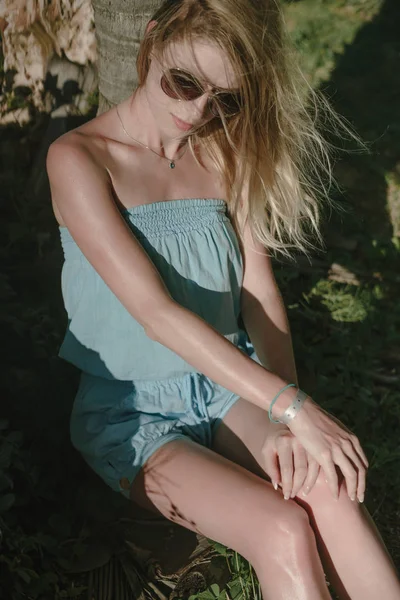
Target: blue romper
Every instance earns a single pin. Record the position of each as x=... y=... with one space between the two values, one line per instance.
x=136 y=394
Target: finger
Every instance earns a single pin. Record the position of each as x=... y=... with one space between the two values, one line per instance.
x=351 y=453
x=285 y=455
x=348 y=470
x=300 y=468
x=272 y=468
x=331 y=477
x=312 y=476
x=356 y=443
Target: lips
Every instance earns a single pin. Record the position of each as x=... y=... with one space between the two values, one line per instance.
x=182 y=124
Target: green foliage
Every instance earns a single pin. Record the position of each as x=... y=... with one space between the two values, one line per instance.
x=320 y=30
x=93 y=100
x=243 y=584
x=32 y=561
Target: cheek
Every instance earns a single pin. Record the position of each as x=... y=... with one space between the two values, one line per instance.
x=159 y=101
x=161 y=106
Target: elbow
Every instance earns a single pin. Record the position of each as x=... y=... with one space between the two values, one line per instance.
x=155 y=317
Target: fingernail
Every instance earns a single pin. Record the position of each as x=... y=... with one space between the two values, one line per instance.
x=306 y=490
x=286 y=496
x=353 y=497
x=275 y=485
x=361 y=499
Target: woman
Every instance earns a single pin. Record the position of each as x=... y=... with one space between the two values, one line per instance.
x=166 y=205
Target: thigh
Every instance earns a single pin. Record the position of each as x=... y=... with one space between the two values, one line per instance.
x=241 y=435
x=203 y=491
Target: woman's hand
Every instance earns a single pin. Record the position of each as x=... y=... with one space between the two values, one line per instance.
x=287 y=463
x=330 y=443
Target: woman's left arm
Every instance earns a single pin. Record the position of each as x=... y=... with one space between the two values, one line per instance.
x=267 y=324
x=265 y=318
x=263 y=312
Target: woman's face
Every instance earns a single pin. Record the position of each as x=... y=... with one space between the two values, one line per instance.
x=207 y=64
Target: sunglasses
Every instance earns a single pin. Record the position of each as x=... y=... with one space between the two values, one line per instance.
x=179 y=84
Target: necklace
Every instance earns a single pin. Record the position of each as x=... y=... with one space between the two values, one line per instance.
x=171 y=162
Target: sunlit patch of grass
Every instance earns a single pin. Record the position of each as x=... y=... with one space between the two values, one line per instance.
x=321 y=29
x=345 y=302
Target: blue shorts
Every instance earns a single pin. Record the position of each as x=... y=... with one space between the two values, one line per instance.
x=117 y=425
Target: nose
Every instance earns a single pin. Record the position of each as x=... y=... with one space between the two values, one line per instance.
x=201 y=104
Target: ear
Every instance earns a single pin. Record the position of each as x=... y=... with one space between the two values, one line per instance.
x=150 y=26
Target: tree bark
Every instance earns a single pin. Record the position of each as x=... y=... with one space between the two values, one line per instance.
x=120 y=26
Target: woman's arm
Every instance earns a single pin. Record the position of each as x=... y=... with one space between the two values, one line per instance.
x=263 y=312
x=268 y=328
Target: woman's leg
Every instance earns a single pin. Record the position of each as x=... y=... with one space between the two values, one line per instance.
x=203 y=491
x=353 y=553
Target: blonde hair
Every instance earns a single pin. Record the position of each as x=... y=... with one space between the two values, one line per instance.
x=271 y=154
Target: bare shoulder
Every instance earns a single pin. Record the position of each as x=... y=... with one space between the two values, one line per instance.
x=86 y=141
x=79 y=154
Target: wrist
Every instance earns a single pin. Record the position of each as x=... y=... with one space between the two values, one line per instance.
x=299 y=419
x=286 y=409
x=285 y=399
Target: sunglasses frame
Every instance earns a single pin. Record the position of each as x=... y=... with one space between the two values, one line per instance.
x=214 y=106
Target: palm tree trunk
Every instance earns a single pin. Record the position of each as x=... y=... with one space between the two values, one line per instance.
x=120 y=26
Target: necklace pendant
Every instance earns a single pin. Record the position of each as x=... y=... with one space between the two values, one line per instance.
x=172 y=165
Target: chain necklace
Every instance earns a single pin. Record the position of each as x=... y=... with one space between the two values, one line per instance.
x=171 y=162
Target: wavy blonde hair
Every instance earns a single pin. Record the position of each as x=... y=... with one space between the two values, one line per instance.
x=271 y=156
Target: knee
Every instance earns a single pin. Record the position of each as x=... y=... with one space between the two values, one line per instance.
x=292 y=522
x=286 y=531
x=321 y=501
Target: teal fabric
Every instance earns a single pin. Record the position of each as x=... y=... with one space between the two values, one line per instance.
x=194 y=247
x=118 y=425
x=136 y=394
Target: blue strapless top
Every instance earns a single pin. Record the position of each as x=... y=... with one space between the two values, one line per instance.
x=194 y=247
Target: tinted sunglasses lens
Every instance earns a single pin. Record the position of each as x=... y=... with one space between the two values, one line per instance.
x=177 y=85
x=228 y=104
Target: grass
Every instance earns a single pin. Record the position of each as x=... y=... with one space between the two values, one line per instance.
x=345 y=319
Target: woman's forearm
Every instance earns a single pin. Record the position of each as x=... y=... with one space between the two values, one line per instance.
x=268 y=328
x=188 y=335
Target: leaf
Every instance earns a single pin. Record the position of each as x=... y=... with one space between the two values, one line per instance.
x=24 y=575
x=15 y=437
x=235 y=589
x=60 y=524
x=64 y=563
x=215 y=589
x=47 y=541
x=6 y=502
x=220 y=548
